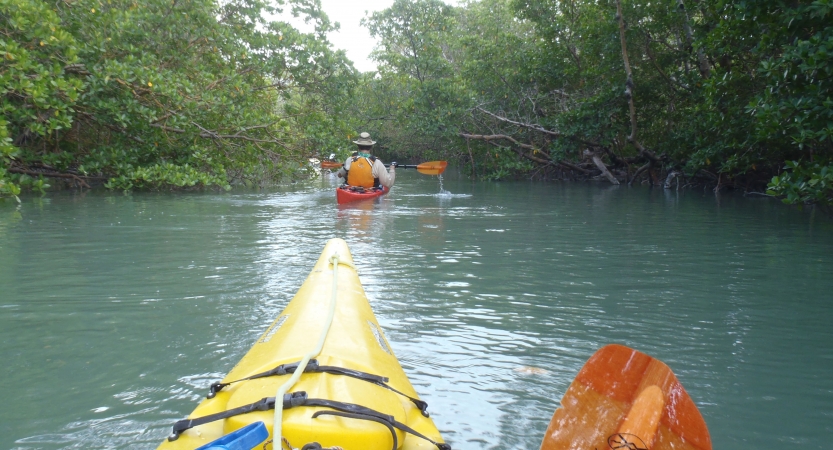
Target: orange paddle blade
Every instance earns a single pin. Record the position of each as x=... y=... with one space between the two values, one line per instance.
x=624 y=399
x=330 y=165
x=432 y=167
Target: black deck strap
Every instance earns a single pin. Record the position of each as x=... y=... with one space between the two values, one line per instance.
x=295 y=399
x=282 y=369
x=313 y=367
x=407 y=429
x=263 y=404
x=289 y=400
x=421 y=405
x=375 y=379
x=362 y=417
x=364 y=411
x=300 y=398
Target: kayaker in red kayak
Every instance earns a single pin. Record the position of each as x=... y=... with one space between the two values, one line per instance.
x=362 y=170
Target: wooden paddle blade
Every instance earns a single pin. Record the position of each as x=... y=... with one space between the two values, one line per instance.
x=432 y=167
x=330 y=165
x=624 y=399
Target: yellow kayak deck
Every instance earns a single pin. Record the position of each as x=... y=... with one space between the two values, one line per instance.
x=354 y=342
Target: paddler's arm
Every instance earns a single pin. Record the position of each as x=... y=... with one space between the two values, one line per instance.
x=344 y=168
x=386 y=178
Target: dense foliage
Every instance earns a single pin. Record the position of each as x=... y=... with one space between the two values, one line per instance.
x=715 y=92
x=163 y=93
x=207 y=92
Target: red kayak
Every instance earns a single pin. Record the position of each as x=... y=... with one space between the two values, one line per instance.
x=346 y=194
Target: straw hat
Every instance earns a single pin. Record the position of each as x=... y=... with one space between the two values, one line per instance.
x=364 y=139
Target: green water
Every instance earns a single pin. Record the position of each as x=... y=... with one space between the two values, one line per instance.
x=116 y=311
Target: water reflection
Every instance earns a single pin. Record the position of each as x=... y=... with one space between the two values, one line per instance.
x=117 y=311
x=362 y=218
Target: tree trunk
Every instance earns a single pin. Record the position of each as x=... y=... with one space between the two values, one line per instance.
x=470 y=157
x=639 y=171
x=705 y=71
x=673 y=174
x=601 y=166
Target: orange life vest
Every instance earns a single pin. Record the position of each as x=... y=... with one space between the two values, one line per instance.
x=361 y=172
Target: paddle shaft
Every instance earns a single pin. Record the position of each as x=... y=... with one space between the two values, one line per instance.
x=405 y=166
x=428 y=168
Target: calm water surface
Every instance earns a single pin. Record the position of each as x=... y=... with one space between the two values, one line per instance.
x=117 y=311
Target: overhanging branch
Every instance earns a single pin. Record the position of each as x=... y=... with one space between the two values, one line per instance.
x=539 y=128
x=494 y=137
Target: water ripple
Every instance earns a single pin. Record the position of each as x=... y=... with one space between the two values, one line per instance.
x=119 y=311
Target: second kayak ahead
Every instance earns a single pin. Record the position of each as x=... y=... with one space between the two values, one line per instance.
x=347 y=194
x=329 y=366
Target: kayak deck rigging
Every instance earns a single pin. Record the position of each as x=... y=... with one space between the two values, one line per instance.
x=313 y=367
x=349 y=390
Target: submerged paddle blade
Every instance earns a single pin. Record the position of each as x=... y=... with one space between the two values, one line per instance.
x=330 y=165
x=432 y=167
x=624 y=399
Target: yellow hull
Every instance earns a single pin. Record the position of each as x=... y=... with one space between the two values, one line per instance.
x=355 y=341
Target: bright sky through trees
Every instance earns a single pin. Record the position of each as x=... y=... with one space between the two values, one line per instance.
x=352 y=37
